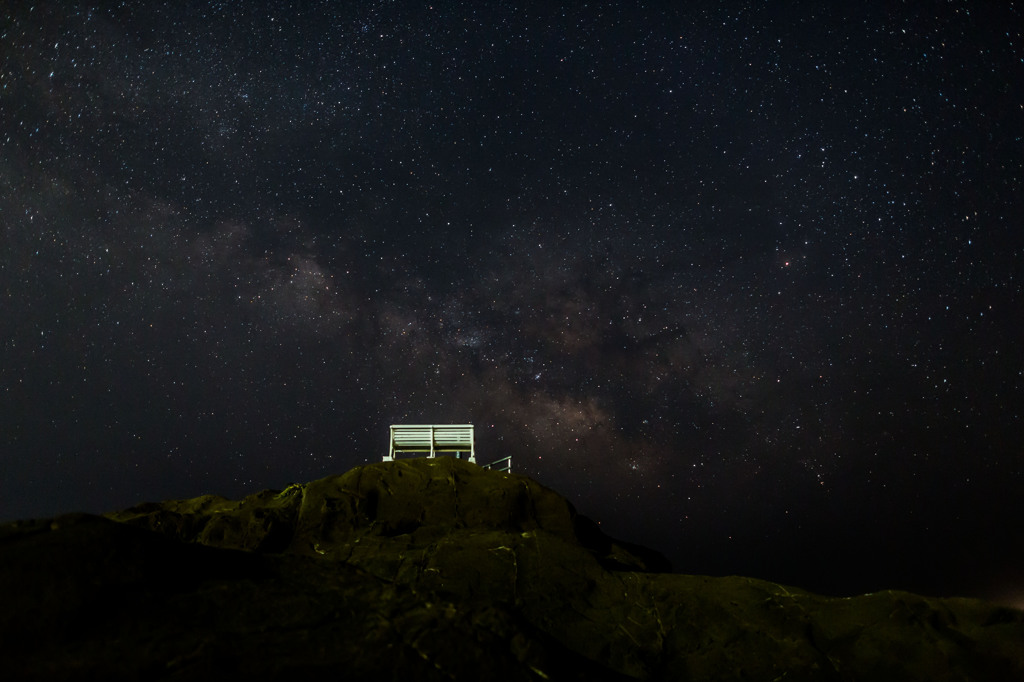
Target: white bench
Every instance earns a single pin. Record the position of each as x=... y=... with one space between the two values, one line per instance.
x=431 y=438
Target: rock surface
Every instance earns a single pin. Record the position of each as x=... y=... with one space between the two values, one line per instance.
x=438 y=569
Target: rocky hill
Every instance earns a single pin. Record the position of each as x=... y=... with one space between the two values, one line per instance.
x=436 y=569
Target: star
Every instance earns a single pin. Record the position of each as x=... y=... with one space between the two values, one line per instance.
x=752 y=271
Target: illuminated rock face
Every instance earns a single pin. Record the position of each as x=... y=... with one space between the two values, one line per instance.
x=438 y=569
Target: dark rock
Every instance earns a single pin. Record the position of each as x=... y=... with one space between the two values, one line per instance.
x=438 y=569
x=88 y=598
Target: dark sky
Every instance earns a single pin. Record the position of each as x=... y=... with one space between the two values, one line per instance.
x=743 y=280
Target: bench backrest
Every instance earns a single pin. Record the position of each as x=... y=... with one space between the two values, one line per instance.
x=432 y=438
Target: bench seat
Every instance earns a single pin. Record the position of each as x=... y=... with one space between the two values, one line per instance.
x=431 y=438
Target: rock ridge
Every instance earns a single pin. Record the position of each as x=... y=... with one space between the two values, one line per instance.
x=439 y=569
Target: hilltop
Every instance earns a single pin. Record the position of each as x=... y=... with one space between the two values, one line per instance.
x=439 y=569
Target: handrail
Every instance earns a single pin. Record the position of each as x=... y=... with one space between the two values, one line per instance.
x=506 y=469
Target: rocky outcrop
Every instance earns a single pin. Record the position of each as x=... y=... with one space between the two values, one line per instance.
x=438 y=569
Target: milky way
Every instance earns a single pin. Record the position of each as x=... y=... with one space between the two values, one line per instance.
x=743 y=282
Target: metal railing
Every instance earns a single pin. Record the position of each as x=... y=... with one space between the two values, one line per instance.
x=504 y=464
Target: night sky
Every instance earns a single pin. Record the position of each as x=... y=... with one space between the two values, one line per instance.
x=742 y=280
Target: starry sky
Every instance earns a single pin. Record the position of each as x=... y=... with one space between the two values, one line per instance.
x=743 y=280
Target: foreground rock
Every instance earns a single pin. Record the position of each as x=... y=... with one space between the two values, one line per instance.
x=438 y=569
